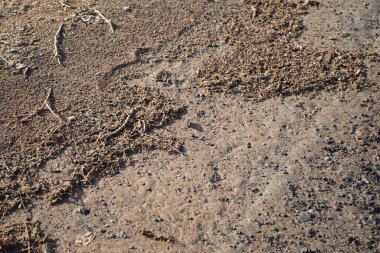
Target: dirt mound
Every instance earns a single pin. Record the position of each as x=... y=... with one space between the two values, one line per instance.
x=96 y=147
x=262 y=58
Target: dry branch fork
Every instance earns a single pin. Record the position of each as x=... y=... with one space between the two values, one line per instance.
x=48 y=106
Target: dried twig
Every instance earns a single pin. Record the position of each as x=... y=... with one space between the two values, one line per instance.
x=26 y=71
x=143 y=125
x=28 y=237
x=6 y=61
x=87 y=177
x=47 y=104
x=121 y=128
x=56 y=42
x=109 y=22
x=64 y=5
x=22 y=201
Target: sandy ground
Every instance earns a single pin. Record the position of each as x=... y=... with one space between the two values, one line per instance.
x=294 y=172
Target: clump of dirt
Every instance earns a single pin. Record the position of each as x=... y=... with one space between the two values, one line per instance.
x=26 y=237
x=263 y=58
x=160 y=237
x=96 y=146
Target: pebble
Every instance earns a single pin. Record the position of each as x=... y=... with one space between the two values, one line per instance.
x=127 y=8
x=307 y=216
x=122 y=234
x=117 y=235
x=158 y=219
x=83 y=210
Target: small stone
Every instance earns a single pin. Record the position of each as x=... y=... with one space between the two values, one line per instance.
x=158 y=219
x=111 y=236
x=22 y=43
x=20 y=66
x=215 y=177
x=327 y=158
x=353 y=240
x=121 y=234
x=329 y=140
x=83 y=210
x=279 y=87
x=127 y=8
x=195 y=126
x=307 y=216
x=255 y=190
x=312 y=232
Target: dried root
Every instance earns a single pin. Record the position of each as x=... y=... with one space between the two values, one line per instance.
x=121 y=128
x=48 y=105
x=57 y=38
x=109 y=22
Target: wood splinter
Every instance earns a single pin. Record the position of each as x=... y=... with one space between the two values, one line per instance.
x=56 y=42
x=109 y=22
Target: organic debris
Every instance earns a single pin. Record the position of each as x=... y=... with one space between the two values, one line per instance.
x=57 y=38
x=267 y=61
x=158 y=237
x=121 y=128
x=48 y=104
x=64 y=5
x=91 y=159
x=109 y=22
x=85 y=239
x=26 y=237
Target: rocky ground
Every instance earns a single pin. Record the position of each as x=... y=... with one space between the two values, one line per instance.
x=199 y=126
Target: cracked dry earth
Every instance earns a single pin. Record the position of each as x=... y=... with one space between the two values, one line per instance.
x=196 y=126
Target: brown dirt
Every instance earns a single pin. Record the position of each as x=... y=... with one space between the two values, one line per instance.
x=216 y=126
